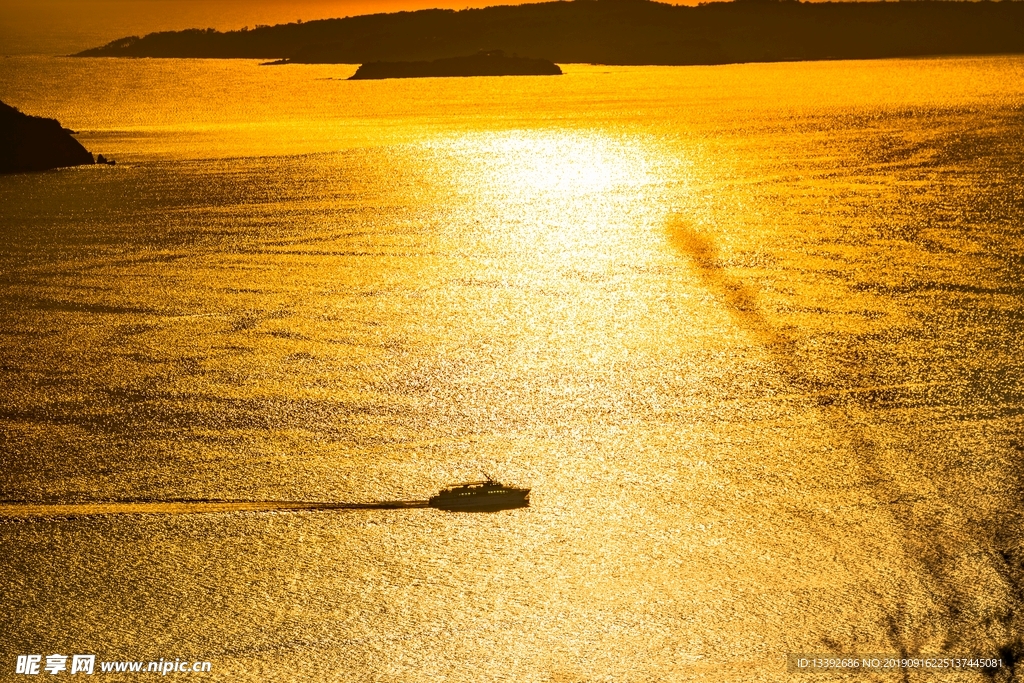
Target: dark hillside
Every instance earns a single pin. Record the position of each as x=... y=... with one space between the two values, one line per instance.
x=620 y=32
x=33 y=143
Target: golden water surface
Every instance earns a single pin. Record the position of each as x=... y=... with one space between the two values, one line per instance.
x=751 y=333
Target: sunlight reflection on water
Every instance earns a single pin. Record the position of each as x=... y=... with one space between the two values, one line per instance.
x=751 y=335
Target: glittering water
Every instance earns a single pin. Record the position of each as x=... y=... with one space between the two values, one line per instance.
x=751 y=333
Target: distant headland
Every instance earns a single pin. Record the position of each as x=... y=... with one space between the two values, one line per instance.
x=484 y=63
x=618 y=32
x=33 y=143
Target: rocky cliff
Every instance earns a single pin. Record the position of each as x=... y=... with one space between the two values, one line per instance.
x=32 y=143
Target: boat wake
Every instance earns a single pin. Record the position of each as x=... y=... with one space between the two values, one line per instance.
x=22 y=509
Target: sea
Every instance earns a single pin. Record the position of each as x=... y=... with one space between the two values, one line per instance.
x=752 y=334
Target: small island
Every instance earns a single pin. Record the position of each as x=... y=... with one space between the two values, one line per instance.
x=484 y=63
x=33 y=143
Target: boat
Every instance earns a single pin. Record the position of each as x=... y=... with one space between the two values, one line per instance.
x=480 y=496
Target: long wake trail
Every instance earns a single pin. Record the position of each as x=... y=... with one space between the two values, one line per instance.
x=188 y=506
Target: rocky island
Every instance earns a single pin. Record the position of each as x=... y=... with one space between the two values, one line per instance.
x=33 y=143
x=484 y=63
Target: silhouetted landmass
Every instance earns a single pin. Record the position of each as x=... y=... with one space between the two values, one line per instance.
x=32 y=143
x=619 y=32
x=484 y=63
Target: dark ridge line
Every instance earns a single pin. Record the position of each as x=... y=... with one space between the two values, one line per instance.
x=617 y=32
